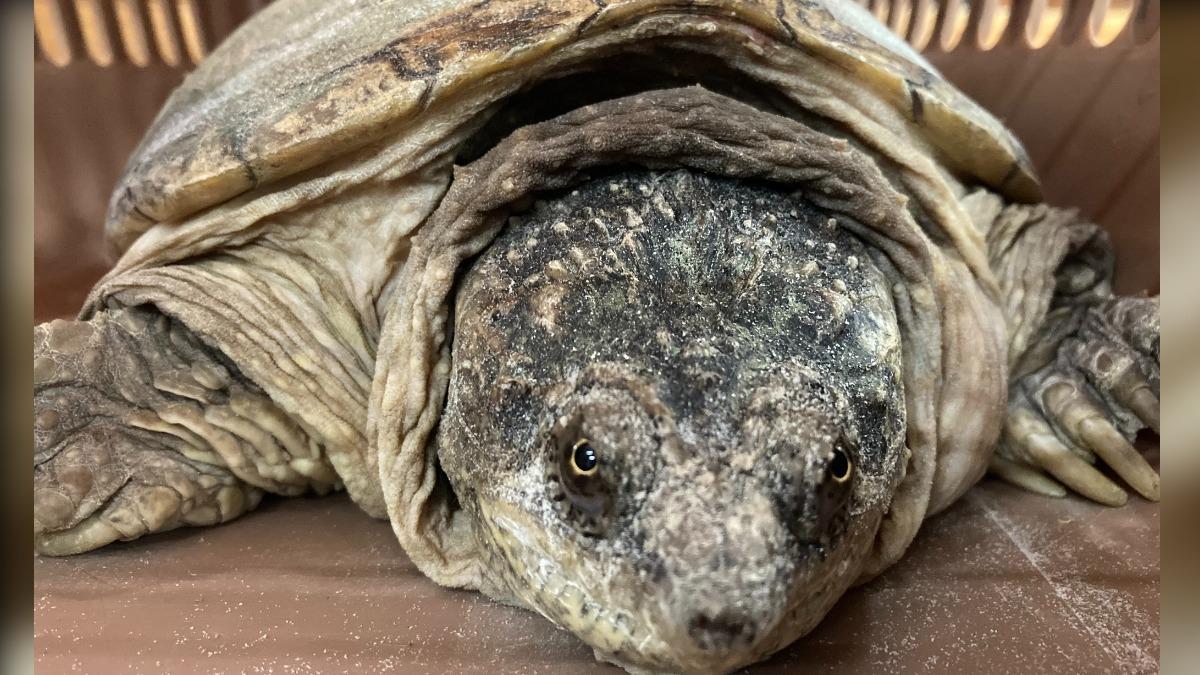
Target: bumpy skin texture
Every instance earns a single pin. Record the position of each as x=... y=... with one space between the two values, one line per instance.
x=716 y=343
x=140 y=428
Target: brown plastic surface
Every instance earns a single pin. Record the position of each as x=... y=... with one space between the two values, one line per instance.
x=1004 y=581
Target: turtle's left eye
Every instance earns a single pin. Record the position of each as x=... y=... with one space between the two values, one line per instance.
x=584 y=461
x=840 y=467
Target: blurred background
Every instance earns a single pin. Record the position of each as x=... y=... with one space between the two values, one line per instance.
x=1180 y=190
x=1078 y=81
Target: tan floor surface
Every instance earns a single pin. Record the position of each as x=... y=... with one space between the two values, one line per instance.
x=1002 y=582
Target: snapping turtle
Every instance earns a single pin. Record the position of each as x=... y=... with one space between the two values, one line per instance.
x=668 y=321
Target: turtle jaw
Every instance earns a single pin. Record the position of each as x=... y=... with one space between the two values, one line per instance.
x=728 y=569
x=629 y=615
x=713 y=554
x=720 y=583
x=706 y=559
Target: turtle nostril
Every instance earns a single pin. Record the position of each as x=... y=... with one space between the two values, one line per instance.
x=721 y=631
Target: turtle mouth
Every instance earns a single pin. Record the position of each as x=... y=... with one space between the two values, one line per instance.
x=542 y=576
x=628 y=623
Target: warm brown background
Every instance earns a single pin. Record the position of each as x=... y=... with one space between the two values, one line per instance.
x=1003 y=582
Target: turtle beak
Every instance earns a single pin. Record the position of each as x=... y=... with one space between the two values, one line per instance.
x=728 y=576
x=716 y=624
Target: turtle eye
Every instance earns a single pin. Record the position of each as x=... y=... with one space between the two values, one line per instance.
x=584 y=494
x=584 y=461
x=840 y=467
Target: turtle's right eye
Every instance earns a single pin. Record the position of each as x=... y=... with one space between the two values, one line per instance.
x=602 y=449
x=579 y=486
x=584 y=460
x=584 y=484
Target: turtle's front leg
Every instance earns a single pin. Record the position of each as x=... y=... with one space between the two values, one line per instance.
x=1083 y=363
x=139 y=427
x=1098 y=389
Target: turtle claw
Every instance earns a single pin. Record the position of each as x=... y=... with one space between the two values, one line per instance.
x=1109 y=445
x=139 y=509
x=1026 y=476
x=1088 y=403
x=1081 y=420
x=1136 y=393
x=110 y=483
x=1145 y=405
x=1029 y=438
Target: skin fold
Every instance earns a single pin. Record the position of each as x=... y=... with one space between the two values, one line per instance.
x=141 y=428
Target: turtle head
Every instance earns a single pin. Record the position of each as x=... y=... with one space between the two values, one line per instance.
x=674 y=415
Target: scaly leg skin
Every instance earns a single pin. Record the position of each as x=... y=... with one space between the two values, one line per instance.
x=1098 y=389
x=139 y=428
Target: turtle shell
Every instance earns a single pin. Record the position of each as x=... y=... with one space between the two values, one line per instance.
x=307 y=81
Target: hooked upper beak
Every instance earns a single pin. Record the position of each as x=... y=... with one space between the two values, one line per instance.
x=730 y=577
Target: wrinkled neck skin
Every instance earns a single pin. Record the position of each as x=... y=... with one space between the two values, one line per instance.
x=719 y=347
